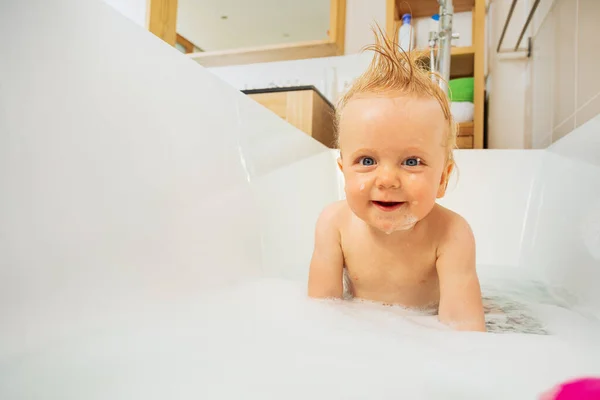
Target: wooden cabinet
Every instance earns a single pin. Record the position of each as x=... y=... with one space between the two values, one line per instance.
x=464 y=140
x=465 y=61
x=304 y=107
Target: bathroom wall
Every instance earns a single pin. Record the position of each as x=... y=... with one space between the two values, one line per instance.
x=135 y=10
x=330 y=75
x=546 y=96
x=360 y=15
x=507 y=78
x=553 y=91
x=565 y=84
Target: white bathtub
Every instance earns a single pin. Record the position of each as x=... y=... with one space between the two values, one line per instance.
x=156 y=227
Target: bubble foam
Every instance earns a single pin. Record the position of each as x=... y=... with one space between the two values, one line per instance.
x=265 y=339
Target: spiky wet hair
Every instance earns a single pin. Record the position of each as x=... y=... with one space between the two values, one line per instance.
x=397 y=72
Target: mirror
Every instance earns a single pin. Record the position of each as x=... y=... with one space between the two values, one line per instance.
x=229 y=32
x=217 y=25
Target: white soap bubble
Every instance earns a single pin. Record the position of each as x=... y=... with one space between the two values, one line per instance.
x=266 y=340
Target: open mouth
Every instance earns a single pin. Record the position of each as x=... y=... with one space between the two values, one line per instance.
x=388 y=205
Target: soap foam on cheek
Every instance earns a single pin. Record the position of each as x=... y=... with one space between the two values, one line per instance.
x=410 y=221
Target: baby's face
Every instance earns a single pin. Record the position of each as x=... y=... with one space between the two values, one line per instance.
x=393 y=157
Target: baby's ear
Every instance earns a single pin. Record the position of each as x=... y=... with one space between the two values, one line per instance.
x=444 y=179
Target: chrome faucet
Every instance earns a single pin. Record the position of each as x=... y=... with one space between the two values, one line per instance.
x=444 y=36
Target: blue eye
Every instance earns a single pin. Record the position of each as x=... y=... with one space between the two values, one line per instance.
x=412 y=162
x=367 y=161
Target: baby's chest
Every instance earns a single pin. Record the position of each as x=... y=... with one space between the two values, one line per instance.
x=399 y=267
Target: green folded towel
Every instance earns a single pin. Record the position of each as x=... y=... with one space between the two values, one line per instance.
x=461 y=89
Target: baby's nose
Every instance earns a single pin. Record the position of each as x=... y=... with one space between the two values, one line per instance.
x=388 y=178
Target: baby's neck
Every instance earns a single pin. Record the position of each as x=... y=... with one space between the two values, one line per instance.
x=395 y=234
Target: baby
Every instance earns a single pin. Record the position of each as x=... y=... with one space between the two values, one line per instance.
x=389 y=238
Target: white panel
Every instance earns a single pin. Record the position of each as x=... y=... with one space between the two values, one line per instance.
x=133 y=182
x=491 y=190
x=289 y=217
x=542 y=100
x=582 y=144
x=562 y=239
x=565 y=63
x=563 y=129
x=125 y=172
x=588 y=111
x=507 y=79
x=588 y=83
x=542 y=12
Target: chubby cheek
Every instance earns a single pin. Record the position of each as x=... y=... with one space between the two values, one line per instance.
x=357 y=188
x=421 y=190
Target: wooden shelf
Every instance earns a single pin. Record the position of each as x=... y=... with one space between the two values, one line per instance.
x=457 y=51
x=465 y=61
x=466 y=128
x=280 y=52
x=426 y=8
x=460 y=51
x=462 y=62
x=464 y=142
x=465 y=135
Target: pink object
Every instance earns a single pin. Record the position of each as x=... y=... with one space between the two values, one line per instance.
x=578 y=389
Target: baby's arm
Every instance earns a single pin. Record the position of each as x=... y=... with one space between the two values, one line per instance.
x=460 y=294
x=327 y=264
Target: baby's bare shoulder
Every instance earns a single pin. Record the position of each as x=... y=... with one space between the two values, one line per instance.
x=334 y=212
x=332 y=216
x=451 y=226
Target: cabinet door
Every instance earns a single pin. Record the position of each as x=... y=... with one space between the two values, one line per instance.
x=276 y=102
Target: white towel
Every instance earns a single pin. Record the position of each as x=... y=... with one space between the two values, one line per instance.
x=463 y=111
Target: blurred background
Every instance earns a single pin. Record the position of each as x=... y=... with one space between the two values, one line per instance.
x=523 y=72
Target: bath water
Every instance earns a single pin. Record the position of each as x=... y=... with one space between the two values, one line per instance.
x=266 y=340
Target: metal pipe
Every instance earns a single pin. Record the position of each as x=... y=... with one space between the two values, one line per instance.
x=445 y=39
x=432 y=60
x=510 y=13
x=433 y=37
x=529 y=17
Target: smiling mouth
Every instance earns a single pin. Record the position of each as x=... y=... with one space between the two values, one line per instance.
x=388 y=205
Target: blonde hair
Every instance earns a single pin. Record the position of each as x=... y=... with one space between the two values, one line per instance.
x=393 y=70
